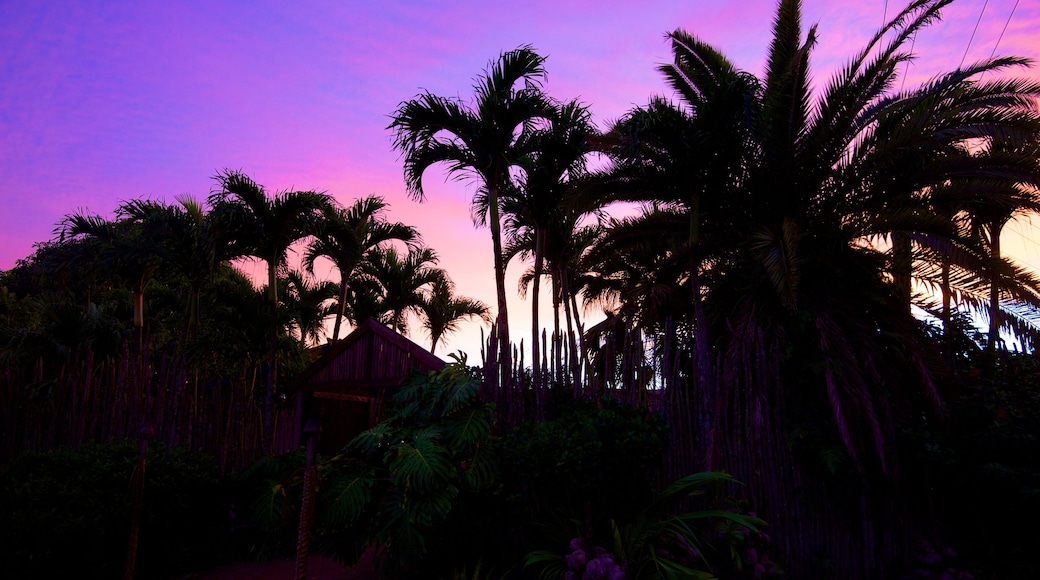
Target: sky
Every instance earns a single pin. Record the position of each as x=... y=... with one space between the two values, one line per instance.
x=106 y=101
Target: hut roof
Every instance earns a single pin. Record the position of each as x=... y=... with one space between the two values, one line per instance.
x=370 y=357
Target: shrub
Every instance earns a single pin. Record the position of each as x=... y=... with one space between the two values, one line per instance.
x=665 y=542
x=66 y=513
x=416 y=485
x=588 y=458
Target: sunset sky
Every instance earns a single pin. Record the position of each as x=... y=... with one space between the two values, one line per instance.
x=108 y=101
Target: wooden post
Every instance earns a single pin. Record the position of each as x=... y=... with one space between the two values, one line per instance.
x=137 y=492
x=310 y=431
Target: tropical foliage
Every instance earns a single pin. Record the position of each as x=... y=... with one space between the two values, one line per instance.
x=483 y=140
x=55 y=525
x=664 y=542
x=81 y=342
x=807 y=286
x=399 y=485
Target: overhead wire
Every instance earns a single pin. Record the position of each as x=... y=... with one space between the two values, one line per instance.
x=1006 y=24
x=977 y=22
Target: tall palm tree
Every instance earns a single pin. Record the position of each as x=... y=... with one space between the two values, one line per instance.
x=693 y=158
x=347 y=235
x=266 y=227
x=801 y=184
x=483 y=140
x=546 y=194
x=1014 y=192
x=443 y=310
x=402 y=280
x=966 y=266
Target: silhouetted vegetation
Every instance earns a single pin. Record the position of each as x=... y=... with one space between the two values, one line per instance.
x=810 y=299
x=65 y=513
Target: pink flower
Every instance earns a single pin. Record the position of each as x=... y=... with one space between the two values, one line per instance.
x=598 y=568
x=576 y=560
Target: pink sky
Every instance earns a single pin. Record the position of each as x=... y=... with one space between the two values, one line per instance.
x=107 y=101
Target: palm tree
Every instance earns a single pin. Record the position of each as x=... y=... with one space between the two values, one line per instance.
x=365 y=300
x=794 y=308
x=802 y=184
x=1013 y=193
x=187 y=242
x=266 y=227
x=694 y=160
x=964 y=264
x=443 y=310
x=131 y=248
x=402 y=280
x=307 y=304
x=347 y=235
x=547 y=202
x=628 y=274
x=483 y=141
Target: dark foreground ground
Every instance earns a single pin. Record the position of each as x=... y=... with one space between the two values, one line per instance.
x=318 y=568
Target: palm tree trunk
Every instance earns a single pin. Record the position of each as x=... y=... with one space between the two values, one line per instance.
x=268 y=418
x=505 y=359
x=536 y=371
x=902 y=267
x=341 y=307
x=557 y=342
x=702 y=351
x=578 y=343
x=994 y=287
x=191 y=316
x=571 y=342
x=947 y=312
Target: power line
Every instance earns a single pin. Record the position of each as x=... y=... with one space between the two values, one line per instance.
x=1001 y=37
x=973 y=33
x=906 y=65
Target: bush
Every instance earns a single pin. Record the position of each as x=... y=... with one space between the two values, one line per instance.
x=664 y=542
x=416 y=485
x=67 y=513
x=587 y=458
x=984 y=465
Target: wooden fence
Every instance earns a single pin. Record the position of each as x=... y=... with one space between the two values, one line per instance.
x=111 y=400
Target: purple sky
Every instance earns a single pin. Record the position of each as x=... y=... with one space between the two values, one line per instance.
x=106 y=101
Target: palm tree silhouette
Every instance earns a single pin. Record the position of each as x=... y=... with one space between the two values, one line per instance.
x=482 y=141
x=443 y=310
x=401 y=280
x=546 y=204
x=346 y=235
x=265 y=227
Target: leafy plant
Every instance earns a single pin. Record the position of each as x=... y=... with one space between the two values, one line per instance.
x=589 y=455
x=988 y=448
x=662 y=542
x=400 y=486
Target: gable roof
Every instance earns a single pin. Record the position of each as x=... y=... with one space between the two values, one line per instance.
x=370 y=356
